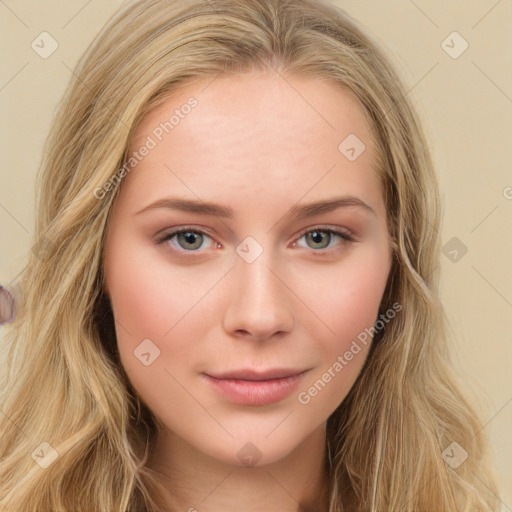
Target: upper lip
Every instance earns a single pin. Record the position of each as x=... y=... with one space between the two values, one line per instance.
x=257 y=375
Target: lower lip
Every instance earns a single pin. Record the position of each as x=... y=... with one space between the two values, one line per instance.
x=255 y=392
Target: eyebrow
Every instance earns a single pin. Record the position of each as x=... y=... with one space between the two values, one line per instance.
x=299 y=211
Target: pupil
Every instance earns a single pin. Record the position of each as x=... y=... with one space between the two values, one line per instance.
x=319 y=239
x=190 y=240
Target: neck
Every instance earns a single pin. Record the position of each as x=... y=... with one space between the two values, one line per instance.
x=195 y=482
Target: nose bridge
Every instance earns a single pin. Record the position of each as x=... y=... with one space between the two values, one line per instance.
x=259 y=304
x=256 y=280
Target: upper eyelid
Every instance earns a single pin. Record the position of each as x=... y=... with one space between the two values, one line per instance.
x=184 y=229
x=321 y=227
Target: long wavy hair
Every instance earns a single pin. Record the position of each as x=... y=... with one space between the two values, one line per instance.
x=65 y=396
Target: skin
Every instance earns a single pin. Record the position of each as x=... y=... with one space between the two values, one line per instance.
x=260 y=145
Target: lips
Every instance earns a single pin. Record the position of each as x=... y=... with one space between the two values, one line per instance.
x=255 y=388
x=257 y=375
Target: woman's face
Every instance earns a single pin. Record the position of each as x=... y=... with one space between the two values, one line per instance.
x=247 y=254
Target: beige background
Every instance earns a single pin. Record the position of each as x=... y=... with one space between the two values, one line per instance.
x=466 y=103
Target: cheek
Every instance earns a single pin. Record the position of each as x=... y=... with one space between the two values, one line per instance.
x=153 y=308
x=151 y=295
x=142 y=304
x=160 y=302
x=346 y=298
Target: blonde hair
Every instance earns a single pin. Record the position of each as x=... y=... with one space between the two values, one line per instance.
x=62 y=380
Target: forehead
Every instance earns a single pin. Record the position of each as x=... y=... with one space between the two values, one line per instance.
x=266 y=134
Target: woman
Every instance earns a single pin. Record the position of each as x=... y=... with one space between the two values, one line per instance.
x=244 y=216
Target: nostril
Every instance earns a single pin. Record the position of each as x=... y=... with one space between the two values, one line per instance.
x=242 y=332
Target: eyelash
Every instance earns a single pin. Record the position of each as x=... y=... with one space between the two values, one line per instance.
x=345 y=235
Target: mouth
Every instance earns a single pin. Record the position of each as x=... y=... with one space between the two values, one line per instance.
x=255 y=388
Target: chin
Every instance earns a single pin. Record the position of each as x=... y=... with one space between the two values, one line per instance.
x=254 y=451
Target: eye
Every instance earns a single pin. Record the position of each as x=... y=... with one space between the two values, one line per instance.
x=187 y=240
x=323 y=238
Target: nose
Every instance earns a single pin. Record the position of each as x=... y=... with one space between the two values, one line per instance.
x=259 y=306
